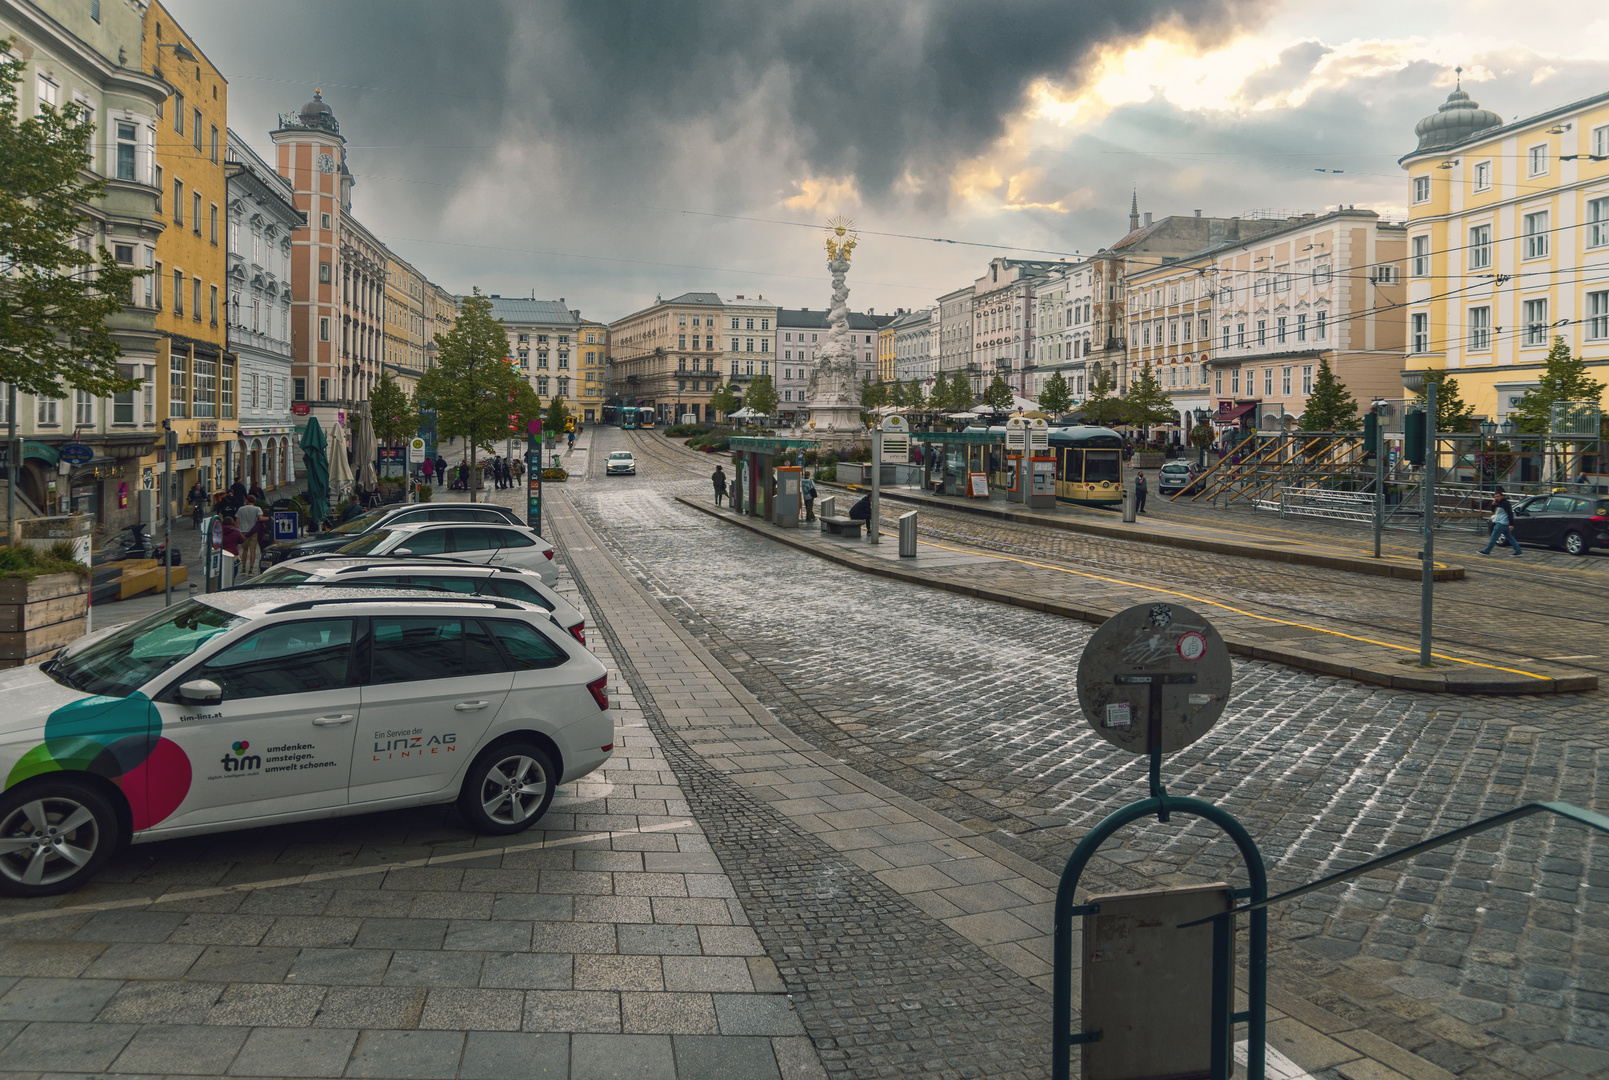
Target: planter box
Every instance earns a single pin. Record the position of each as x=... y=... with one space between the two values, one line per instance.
x=40 y=616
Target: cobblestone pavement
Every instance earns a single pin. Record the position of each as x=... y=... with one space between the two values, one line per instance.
x=1487 y=958
x=607 y=942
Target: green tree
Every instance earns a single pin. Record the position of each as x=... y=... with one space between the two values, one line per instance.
x=724 y=400
x=872 y=395
x=938 y=395
x=1452 y=414
x=1147 y=403
x=1056 y=397
x=916 y=394
x=1564 y=379
x=895 y=394
x=1330 y=407
x=762 y=397
x=998 y=395
x=471 y=385
x=391 y=411
x=525 y=407
x=1100 y=407
x=962 y=399
x=54 y=298
x=554 y=417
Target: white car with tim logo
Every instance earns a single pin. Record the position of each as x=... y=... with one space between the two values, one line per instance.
x=265 y=706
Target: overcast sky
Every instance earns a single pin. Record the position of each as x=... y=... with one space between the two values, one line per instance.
x=607 y=152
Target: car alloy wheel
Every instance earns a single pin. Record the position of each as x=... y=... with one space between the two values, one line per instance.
x=53 y=837
x=1575 y=543
x=508 y=788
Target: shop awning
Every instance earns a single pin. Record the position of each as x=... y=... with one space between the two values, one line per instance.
x=1233 y=414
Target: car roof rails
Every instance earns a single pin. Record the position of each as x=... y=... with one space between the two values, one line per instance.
x=454 y=598
x=411 y=563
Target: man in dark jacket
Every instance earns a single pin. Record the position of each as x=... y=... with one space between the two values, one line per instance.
x=718 y=479
x=862 y=511
x=441 y=467
x=1139 y=492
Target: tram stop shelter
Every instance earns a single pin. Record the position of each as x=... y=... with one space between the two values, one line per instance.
x=759 y=457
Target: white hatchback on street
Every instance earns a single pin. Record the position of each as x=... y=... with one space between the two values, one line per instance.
x=489 y=544
x=621 y=463
x=263 y=706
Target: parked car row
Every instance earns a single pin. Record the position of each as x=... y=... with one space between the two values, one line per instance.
x=328 y=685
x=1576 y=523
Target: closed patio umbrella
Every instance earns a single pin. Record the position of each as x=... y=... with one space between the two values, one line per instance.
x=316 y=463
x=363 y=451
x=340 y=467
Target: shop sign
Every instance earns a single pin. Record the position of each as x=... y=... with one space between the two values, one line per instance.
x=300 y=408
x=77 y=453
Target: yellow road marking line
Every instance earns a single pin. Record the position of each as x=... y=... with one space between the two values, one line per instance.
x=1226 y=607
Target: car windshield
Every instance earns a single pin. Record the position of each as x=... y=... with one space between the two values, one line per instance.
x=360 y=523
x=1176 y=468
x=281 y=575
x=118 y=665
x=620 y=455
x=365 y=544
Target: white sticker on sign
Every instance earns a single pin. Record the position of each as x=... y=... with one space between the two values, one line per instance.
x=1200 y=699
x=1118 y=714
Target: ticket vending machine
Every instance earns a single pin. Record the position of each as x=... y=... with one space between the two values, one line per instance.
x=787 y=508
x=1041 y=483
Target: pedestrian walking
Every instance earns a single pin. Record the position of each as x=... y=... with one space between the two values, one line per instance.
x=427 y=470
x=718 y=478
x=441 y=468
x=1139 y=492
x=1502 y=524
x=246 y=519
x=807 y=488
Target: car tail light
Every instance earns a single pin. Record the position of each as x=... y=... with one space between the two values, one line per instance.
x=548 y=553
x=1599 y=518
x=579 y=632
x=599 y=689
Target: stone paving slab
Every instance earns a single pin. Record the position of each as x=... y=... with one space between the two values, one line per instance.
x=997 y=902
x=1039 y=585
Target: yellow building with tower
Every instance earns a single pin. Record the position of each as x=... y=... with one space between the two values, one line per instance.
x=196 y=374
x=1508 y=246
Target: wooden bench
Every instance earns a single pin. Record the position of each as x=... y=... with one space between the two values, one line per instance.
x=841 y=526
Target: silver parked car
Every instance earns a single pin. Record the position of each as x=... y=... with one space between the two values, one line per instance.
x=486 y=543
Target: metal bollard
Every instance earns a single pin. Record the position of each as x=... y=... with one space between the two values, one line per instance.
x=828 y=507
x=1130 y=510
x=907 y=535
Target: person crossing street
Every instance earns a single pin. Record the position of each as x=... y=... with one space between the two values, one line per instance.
x=718 y=479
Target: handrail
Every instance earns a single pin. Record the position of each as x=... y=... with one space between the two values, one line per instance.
x=1564 y=810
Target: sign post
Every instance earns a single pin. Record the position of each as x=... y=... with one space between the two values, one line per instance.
x=1152 y=680
x=533 y=475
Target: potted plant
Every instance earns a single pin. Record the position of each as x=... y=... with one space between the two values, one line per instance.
x=44 y=594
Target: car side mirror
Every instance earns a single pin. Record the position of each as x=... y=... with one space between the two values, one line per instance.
x=201 y=692
x=402 y=551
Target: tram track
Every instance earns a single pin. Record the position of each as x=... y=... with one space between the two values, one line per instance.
x=1562 y=607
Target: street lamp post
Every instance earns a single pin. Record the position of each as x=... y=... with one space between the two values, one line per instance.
x=1487 y=430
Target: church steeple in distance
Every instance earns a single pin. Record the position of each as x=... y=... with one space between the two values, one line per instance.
x=1134 y=211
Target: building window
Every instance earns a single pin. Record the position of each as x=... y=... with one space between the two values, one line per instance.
x=1279 y=333
x=178 y=113
x=212 y=223
x=46 y=413
x=765 y=345
x=1419 y=265
x=324 y=222
x=176 y=385
x=1598 y=220
x=324 y=328
x=212 y=303
x=1240 y=335
x=123 y=403
x=1268 y=382
x=323 y=273
x=1321 y=275
x=1419 y=333
x=153 y=279
x=1285 y=382
x=195 y=299
x=1234 y=381
x=299 y=389
x=1218 y=382
x=1226 y=337
x=1536 y=322
x=1536 y=160
x=1598 y=313
x=83 y=409
x=1483 y=175
x=1301 y=328
x=204 y=379
x=227 y=391
x=734 y=342
x=324 y=389
x=1536 y=235
x=734 y=324
x=748 y=343
x=1320 y=324
x=1480 y=328
x=1480 y=247
x=748 y=324
x=127 y=140
x=1262 y=332
x=195 y=128
x=195 y=212
x=1307 y=379
x=178 y=201
x=1600 y=141
x=215 y=144
x=681 y=341
x=1421 y=189
x=178 y=292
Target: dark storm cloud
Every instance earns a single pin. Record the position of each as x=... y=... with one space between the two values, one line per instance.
x=867 y=89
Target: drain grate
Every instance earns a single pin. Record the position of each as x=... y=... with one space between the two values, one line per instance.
x=1285 y=633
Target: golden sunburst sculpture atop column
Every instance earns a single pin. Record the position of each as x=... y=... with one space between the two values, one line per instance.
x=843 y=239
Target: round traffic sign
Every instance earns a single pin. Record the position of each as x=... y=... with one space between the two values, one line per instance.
x=217 y=531
x=1154 y=656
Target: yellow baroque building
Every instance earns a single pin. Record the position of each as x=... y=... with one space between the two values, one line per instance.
x=1508 y=245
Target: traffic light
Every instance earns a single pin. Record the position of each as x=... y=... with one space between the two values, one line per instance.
x=1413 y=436
x=1371 y=433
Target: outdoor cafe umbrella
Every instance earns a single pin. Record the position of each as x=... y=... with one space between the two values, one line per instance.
x=316 y=463
x=340 y=468
x=363 y=449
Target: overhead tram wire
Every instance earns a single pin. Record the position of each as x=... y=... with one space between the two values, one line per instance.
x=896 y=236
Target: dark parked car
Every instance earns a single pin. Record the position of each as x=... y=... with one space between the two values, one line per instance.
x=326 y=542
x=1576 y=523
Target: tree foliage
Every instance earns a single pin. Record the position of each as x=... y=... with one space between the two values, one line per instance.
x=472 y=383
x=872 y=395
x=393 y=413
x=553 y=419
x=916 y=395
x=1331 y=406
x=724 y=400
x=762 y=397
x=1056 y=397
x=54 y=298
x=1565 y=379
x=998 y=395
x=961 y=399
x=1100 y=407
x=1452 y=413
x=1147 y=403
